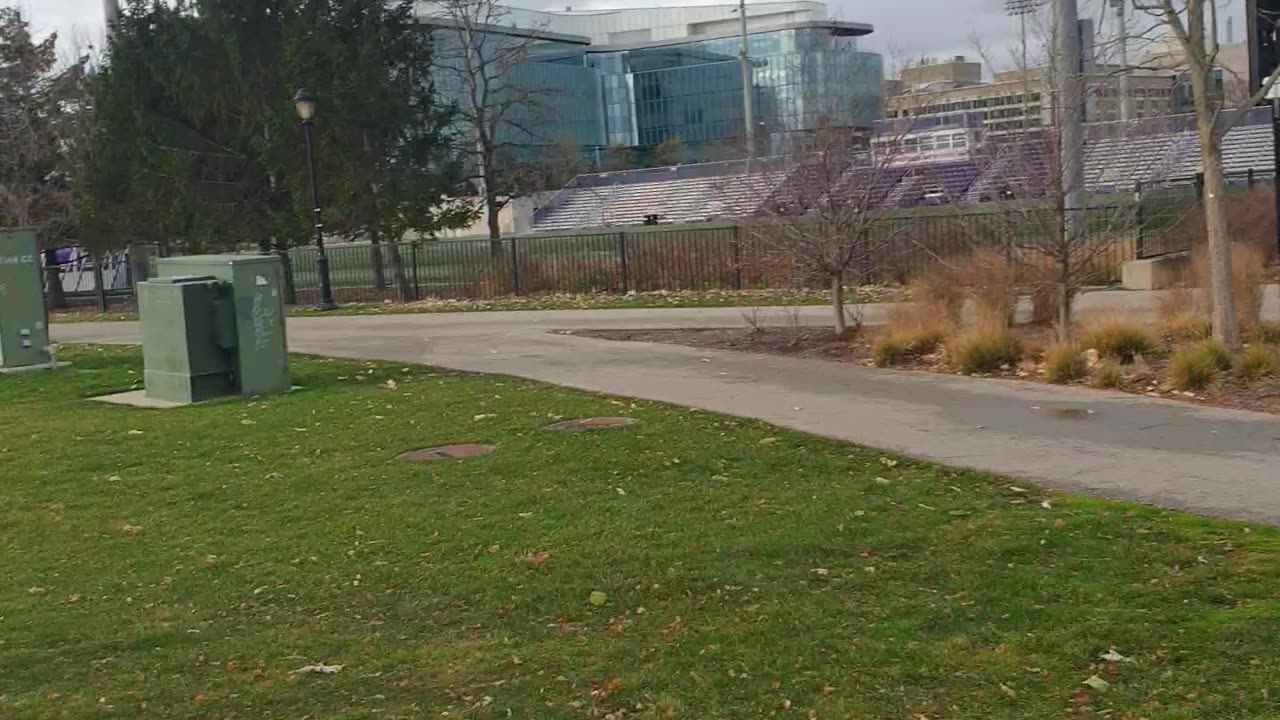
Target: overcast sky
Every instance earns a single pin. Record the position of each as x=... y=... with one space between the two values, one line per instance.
x=905 y=30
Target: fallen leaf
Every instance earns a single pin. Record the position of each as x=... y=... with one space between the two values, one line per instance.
x=888 y=462
x=135 y=432
x=769 y=441
x=391 y=384
x=321 y=669
x=1017 y=489
x=1097 y=683
x=36 y=591
x=1113 y=656
x=1013 y=694
x=1046 y=505
x=131 y=530
x=597 y=598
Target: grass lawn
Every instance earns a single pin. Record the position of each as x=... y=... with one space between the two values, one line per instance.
x=183 y=563
x=557 y=301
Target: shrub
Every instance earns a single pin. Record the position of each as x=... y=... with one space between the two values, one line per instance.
x=1064 y=363
x=1265 y=333
x=1186 y=327
x=1193 y=368
x=1258 y=362
x=984 y=350
x=1217 y=352
x=991 y=280
x=940 y=289
x=888 y=350
x=1107 y=374
x=1117 y=337
x=1044 y=304
x=914 y=330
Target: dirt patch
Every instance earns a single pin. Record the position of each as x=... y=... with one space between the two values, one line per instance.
x=1145 y=377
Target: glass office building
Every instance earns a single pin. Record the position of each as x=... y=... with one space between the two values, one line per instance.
x=687 y=83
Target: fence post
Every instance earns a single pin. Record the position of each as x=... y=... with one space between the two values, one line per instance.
x=1140 y=242
x=1249 y=178
x=737 y=257
x=515 y=269
x=622 y=261
x=413 y=257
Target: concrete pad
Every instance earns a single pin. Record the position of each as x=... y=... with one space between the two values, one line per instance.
x=1157 y=273
x=32 y=368
x=138 y=399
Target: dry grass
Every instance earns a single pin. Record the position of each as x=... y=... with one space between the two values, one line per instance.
x=1108 y=374
x=1259 y=362
x=1115 y=336
x=913 y=330
x=1193 y=368
x=1064 y=363
x=993 y=284
x=1217 y=352
x=1266 y=333
x=1248 y=270
x=939 y=288
x=984 y=349
x=1186 y=327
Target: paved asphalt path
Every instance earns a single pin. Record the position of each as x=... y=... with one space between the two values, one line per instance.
x=1212 y=461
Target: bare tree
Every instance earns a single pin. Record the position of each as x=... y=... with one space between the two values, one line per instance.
x=1053 y=243
x=39 y=103
x=500 y=111
x=825 y=219
x=1185 y=20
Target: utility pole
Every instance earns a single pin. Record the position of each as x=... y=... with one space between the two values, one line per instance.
x=1070 y=109
x=747 y=117
x=1122 y=39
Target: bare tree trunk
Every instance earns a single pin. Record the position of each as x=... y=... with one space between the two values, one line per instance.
x=375 y=258
x=1225 y=327
x=492 y=213
x=57 y=298
x=1064 y=312
x=398 y=274
x=837 y=302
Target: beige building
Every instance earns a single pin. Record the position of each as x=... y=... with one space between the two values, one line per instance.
x=929 y=74
x=1015 y=100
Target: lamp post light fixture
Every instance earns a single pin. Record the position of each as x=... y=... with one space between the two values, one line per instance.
x=305 y=103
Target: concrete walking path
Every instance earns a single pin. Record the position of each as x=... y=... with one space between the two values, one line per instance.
x=1212 y=461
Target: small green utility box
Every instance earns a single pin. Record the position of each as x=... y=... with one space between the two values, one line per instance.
x=24 y=321
x=214 y=325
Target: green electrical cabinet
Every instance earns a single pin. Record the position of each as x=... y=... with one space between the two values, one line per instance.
x=188 y=338
x=231 y=317
x=24 y=320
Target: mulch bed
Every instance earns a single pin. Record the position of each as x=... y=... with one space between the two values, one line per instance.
x=1145 y=378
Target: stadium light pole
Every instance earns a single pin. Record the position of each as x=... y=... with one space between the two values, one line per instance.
x=1122 y=39
x=1070 y=110
x=305 y=103
x=1021 y=9
x=747 y=119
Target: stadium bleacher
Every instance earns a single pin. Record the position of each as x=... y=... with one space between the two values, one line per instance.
x=1117 y=157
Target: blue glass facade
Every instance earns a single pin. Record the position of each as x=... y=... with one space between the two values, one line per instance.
x=803 y=78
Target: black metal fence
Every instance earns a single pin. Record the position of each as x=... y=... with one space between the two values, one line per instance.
x=756 y=254
x=709 y=256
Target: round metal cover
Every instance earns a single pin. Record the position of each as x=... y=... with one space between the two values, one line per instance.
x=584 y=424
x=447 y=452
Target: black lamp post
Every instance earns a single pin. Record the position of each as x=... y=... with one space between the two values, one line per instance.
x=305 y=103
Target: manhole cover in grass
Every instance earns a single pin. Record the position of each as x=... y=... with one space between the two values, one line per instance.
x=584 y=424
x=447 y=452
